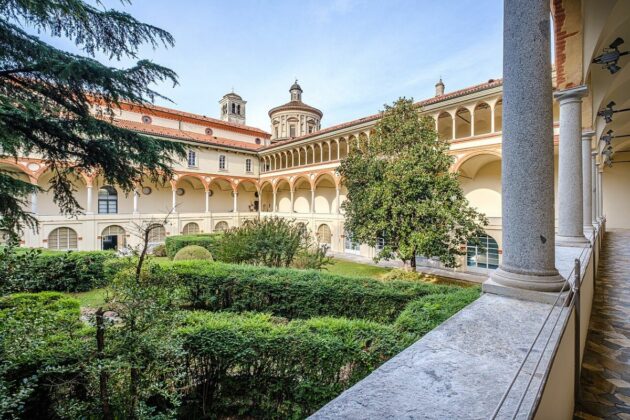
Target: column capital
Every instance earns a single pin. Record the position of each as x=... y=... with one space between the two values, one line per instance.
x=587 y=135
x=573 y=94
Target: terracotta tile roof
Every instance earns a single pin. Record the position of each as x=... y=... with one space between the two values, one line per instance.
x=175 y=114
x=184 y=135
x=299 y=105
x=462 y=92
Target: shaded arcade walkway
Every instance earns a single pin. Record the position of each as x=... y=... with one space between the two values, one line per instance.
x=606 y=363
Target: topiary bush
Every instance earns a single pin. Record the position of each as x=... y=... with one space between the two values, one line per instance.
x=193 y=252
x=210 y=241
x=258 y=366
x=32 y=270
x=159 y=250
x=294 y=293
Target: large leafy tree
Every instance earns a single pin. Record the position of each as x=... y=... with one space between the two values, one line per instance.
x=56 y=106
x=400 y=190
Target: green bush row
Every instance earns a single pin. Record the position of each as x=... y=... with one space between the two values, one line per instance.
x=210 y=241
x=34 y=271
x=292 y=293
x=258 y=366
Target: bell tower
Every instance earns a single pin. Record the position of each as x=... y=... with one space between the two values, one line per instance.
x=233 y=108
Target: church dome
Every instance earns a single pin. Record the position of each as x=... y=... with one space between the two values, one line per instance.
x=294 y=118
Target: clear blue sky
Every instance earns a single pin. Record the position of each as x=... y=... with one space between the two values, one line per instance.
x=350 y=56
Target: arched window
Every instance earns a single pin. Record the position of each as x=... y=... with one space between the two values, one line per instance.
x=221 y=227
x=107 y=200
x=233 y=108
x=484 y=256
x=323 y=234
x=238 y=109
x=113 y=237
x=191 y=228
x=222 y=164
x=157 y=234
x=62 y=238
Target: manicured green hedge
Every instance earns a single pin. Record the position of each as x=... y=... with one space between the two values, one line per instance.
x=422 y=315
x=294 y=293
x=257 y=366
x=210 y=241
x=42 y=344
x=34 y=271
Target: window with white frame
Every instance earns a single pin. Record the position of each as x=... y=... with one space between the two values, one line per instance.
x=63 y=238
x=222 y=163
x=248 y=165
x=192 y=159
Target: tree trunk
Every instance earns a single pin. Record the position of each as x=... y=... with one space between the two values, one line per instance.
x=103 y=375
x=412 y=262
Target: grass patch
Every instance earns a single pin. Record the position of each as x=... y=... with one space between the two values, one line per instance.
x=91 y=299
x=354 y=269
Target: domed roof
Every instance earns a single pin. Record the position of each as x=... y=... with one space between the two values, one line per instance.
x=295 y=85
x=296 y=105
x=233 y=95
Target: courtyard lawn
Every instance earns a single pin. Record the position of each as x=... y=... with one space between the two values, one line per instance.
x=354 y=269
x=91 y=299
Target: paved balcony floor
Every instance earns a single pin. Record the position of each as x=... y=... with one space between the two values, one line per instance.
x=606 y=361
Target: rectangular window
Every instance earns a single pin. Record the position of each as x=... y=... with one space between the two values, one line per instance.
x=222 y=164
x=192 y=159
x=248 y=165
x=292 y=131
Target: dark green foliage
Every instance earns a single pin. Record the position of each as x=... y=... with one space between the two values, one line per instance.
x=46 y=96
x=193 y=252
x=210 y=241
x=293 y=293
x=32 y=270
x=426 y=313
x=42 y=344
x=314 y=258
x=271 y=241
x=400 y=189
x=257 y=366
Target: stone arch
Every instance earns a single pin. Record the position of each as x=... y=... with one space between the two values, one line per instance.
x=248 y=196
x=445 y=126
x=498 y=116
x=301 y=194
x=325 y=193
x=482 y=118
x=463 y=123
x=113 y=237
x=343 y=147
x=266 y=196
x=191 y=228
x=283 y=195
x=221 y=226
x=220 y=190
x=480 y=179
x=194 y=189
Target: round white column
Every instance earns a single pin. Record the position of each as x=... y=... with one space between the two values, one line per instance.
x=594 y=188
x=34 y=203
x=338 y=195
x=600 y=192
x=587 y=181
x=88 y=206
x=528 y=264
x=207 y=199
x=174 y=200
x=136 y=197
x=274 y=202
x=570 y=182
x=292 y=201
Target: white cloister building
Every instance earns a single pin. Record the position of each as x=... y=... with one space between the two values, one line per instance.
x=233 y=172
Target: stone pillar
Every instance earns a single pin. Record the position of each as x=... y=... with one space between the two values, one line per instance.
x=136 y=196
x=34 y=203
x=528 y=265
x=235 y=205
x=88 y=205
x=594 y=187
x=454 y=123
x=312 y=200
x=273 y=210
x=570 y=183
x=174 y=200
x=600 y=192
x=492 y=108
x=207 y=199
x=338 y=196
x=292 y=209
x=587 y=182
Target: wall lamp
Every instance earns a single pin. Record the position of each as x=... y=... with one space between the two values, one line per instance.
x=608 y=112
x=610 y=57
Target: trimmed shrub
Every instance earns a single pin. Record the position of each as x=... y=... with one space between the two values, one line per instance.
x=426 y=313
x=193 y=252
x=296 y=293
x=34 y=271
x=159 y=250
x=210 y=241
x=43 y=345
x=258 y=366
